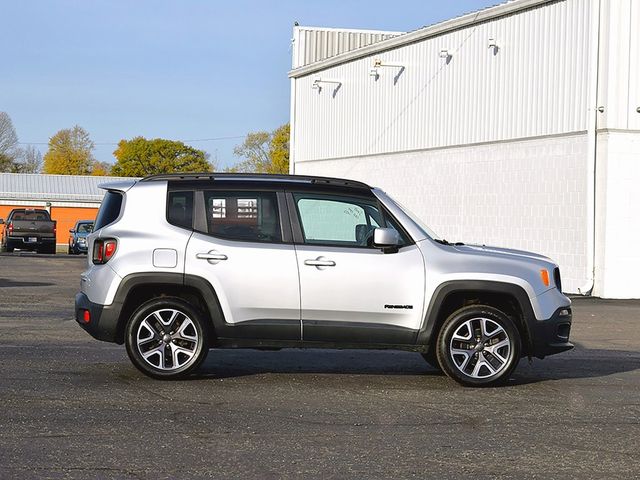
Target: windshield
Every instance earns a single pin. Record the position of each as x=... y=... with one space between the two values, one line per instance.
x=417 y=220
x=85 y=227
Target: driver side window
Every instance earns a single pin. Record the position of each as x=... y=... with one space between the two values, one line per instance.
x=338 y=221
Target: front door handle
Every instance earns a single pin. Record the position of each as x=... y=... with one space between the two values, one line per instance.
x=211 y=257
x=320 y=262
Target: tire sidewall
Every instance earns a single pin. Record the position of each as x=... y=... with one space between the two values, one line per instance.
x=454 y=321
x=158 y=304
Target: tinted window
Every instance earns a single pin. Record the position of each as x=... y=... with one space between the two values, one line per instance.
x=85 y=228
x=341 y=221
x=31 y=215
x=109 y=209
x=180 y=209
x=247 y=216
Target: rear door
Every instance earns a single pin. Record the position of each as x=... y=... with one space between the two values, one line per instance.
x=242 y=246
x=350 y=291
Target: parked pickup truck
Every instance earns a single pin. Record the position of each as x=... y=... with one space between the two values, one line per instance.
x=28 y=229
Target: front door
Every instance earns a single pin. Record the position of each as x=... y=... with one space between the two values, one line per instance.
x=239 y=250
x=350 y=291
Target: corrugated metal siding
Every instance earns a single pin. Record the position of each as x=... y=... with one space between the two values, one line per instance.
x=314 y=44
x=535 y=85
x=634 y=73
x=77 y=188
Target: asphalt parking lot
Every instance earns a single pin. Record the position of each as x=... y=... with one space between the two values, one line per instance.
x=73 y=407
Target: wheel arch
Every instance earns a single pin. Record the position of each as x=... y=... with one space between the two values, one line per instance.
x=450 y=296
x=137 y=289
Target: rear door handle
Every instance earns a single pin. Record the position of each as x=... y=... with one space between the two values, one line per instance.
x=320 y=262
x=211 y=256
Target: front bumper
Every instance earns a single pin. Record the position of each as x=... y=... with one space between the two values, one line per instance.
x=551 y=336
x=103 y=324
x=79 y=247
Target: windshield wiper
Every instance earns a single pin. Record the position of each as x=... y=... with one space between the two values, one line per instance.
x=443 y=241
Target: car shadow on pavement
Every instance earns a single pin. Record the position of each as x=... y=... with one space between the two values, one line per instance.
x=243 y=362
x=581 y=362
x=7 y=283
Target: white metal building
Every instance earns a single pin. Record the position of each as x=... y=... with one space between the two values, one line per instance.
x=517 y=125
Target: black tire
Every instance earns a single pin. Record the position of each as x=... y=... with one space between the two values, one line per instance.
x=165 y=367
x=6 y=248
x=462 y=366
x=432 y=359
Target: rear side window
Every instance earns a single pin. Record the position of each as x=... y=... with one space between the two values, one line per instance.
x=245 y=216
x=180 y=209
x=109 y=209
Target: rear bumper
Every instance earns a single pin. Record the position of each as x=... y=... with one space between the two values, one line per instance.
x=23 y=243
x=551 y=336
x=103 y=324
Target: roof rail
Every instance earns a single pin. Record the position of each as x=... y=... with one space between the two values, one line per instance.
x=262 y=177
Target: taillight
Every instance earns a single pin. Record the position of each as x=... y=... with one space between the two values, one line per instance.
x=10 y=227
x=103 y=250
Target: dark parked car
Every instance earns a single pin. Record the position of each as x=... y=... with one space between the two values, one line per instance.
x=29 y=229
x=78 y=237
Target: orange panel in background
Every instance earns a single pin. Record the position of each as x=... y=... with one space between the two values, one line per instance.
x=6 y=209
x=67 y=218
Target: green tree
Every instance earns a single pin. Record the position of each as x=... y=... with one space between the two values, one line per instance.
x=70 y=153
x=264 y=152
x=140 y=157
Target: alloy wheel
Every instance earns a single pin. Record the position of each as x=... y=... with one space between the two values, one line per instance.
x=167 y=339
x=480 y=348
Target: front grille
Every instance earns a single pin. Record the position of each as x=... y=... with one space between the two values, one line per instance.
x=556 y=278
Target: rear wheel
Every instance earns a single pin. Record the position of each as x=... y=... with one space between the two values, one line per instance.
x=167 y=338
x=478 y=346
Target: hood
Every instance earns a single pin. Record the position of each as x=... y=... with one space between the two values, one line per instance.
x=502 y=252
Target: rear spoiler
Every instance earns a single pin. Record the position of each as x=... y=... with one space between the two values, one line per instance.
x=121 y=186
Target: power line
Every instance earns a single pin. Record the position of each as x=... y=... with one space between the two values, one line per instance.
x=213 y=139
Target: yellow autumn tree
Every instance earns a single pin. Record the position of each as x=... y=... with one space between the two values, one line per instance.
x=264 y=152
x=70 y=153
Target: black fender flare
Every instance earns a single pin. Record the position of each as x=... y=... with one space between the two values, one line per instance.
x=432 y=317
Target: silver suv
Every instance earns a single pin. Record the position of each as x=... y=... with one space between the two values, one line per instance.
x=179 y=264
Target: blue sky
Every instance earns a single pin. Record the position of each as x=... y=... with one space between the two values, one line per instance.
x=182 y=70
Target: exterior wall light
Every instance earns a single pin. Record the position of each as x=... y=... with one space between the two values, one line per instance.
x=446 y=55
x=377 y=65
x=318 y=83
x=494 y=45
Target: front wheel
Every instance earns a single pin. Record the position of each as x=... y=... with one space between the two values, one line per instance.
x=167 y=338
x=478 y=346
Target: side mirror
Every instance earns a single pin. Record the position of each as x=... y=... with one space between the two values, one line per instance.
x=1 y=221
x=71 y=230
x=387 y=239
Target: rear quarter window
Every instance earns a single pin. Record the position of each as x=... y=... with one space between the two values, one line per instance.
x=109 y=209
x=180 y=208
